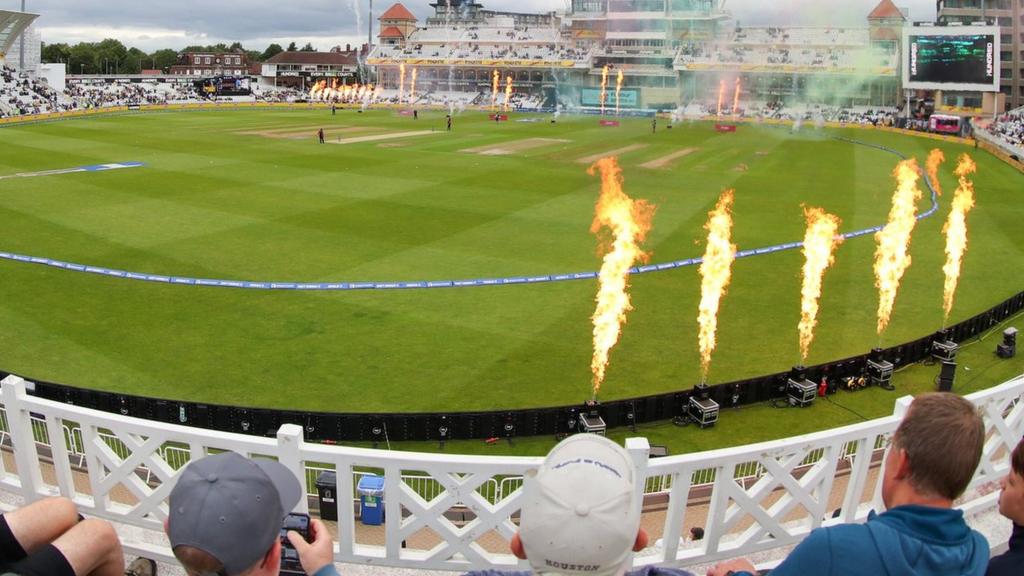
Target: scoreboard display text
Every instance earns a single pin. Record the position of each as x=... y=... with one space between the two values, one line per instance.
x=955 y=59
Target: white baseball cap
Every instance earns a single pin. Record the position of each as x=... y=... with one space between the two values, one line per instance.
x=578 y=514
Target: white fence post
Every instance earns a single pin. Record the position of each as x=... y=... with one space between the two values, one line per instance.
x=289 y=441
x=20 y=422
x=902 y=406
x=640 y=451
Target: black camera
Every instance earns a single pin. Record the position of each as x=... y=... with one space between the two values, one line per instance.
x=289 y=555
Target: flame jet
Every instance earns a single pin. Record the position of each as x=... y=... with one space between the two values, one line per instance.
x=892 y=256
x=935 y=159
x=495 y=81
x=412 y=85
x=508 y=92
x=820 y=243
x=736 y=99
x=618 y=89
x=628 y=222
x=401 y=81
x=604 y=86
x=721 y=95
x=715 y=272
x=956 y=232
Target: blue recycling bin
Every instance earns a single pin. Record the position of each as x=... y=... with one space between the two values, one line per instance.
x=371 y=499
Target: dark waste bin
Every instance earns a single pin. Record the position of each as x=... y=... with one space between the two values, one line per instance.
x=371 y=499
x=327 y=495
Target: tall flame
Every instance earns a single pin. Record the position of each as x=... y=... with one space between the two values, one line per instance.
x=956 y=231
x=495 y=81
x=892 y=256
x=628 y=222
x=715 y=272
x=604 y=86
x=736 y=99
x=412 y=85
x=401 y=81
x=820 y=243
x=721 y=95
x=935 y=159
x=508 y=92
x=618 y=89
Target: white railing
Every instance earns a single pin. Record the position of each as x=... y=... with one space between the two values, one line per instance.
x=449 y=512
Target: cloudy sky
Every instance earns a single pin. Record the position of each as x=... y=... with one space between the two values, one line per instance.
x=151 y=25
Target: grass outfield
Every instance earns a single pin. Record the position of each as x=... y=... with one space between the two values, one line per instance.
x=218 y=200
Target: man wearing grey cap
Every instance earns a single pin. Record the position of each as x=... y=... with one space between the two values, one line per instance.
x=225 y=517
x=579 y=515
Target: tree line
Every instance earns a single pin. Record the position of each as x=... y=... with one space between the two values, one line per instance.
x=110 y=56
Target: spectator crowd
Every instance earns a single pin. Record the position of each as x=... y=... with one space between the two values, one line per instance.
x=22 y=95
x=1010 y=127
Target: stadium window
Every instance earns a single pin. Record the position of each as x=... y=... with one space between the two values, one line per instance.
x=590 y=6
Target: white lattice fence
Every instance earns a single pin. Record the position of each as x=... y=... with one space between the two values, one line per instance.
x=455 y=512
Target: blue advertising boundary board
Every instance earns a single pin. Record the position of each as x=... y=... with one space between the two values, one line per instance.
x=468 y=283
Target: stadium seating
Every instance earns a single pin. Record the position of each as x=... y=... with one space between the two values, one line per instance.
x=499 y=40
x=1010 y=127
x=27 y=96
x=789 y=49
x=21 y=95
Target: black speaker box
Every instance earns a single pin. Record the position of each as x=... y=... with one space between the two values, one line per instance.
x=946 y=376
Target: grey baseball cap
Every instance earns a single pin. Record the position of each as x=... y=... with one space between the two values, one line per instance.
x=231 y=507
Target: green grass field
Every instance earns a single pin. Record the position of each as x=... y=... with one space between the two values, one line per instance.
x=216 y=199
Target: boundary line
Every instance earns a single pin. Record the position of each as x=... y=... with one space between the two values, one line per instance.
x=334 y=286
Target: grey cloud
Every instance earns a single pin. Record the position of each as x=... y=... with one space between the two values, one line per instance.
x=253 y=22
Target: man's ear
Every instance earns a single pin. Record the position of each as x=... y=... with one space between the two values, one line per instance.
x=641 y=540
x=272 y=559
x=167 y=525
x=517 y=547
x=901 y=465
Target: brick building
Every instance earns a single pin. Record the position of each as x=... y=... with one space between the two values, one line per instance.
x=211 y=64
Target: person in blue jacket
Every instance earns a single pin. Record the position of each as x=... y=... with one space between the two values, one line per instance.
x=1011 y=505
x=930 y=462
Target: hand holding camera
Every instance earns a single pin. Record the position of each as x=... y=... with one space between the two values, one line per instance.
x=306 y=545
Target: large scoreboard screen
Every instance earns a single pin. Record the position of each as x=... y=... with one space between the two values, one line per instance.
x=952 y=58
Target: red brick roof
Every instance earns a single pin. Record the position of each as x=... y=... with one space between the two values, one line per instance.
x=885 y=10
x=392 y=32
x=328 y=58
x=397 y=12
